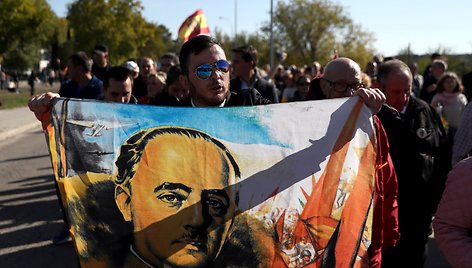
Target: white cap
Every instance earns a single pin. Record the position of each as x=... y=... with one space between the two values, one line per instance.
x=132 y=66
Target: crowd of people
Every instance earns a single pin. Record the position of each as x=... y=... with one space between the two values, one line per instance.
x=422 y=124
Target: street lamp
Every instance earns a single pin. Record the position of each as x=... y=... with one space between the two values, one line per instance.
x=235 y=22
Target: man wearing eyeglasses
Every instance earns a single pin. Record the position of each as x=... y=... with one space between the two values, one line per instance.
x=421 y=153
x=205 y=73
x=342 y=78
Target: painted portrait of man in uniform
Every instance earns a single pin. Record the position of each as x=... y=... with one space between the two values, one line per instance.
x=172 y=186
x=175 y=190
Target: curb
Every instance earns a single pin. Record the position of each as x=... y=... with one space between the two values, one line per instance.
x=13 y=132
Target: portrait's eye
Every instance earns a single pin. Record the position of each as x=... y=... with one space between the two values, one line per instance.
x=172 y=198
x=217 y=205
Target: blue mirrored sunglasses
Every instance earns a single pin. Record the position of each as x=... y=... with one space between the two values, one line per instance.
x=204 y=71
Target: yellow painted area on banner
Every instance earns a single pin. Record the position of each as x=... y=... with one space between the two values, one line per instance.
x=73 y=189
x=52 y=148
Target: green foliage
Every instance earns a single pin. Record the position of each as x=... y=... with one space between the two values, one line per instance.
x=25 y=26
x=460 y=64
x=225 y=40
x=311 y=30
x=259 y=41
x=23 y=57
x=119 y=25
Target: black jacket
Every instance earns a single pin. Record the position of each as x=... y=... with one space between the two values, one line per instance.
x=424 y=94
x=247 y=98
x=139 y=87
x=266 y=89
x=421 y=155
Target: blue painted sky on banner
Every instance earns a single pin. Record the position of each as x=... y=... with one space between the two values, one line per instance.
x=228 y=125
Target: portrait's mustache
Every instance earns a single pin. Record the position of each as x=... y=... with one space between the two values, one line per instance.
x=197 y=237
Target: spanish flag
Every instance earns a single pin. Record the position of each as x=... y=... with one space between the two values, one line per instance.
x=194 y=25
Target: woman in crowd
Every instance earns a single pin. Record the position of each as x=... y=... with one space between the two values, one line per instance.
x=303 y=85
x=449 y=101
x=156 y=82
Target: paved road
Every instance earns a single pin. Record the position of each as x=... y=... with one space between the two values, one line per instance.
x=29 y=211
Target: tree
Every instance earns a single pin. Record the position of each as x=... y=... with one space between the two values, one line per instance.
x=311 y=30
x=259 y=41
x=25 y=27
x=119 y=25
x=459 y=64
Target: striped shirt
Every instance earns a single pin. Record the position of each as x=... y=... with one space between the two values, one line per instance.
x=463 y=138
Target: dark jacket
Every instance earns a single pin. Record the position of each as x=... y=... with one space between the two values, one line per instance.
x=139 y=87
x=421 y=156
x=100 y=72
x=247 y=98
x=315 y=92
x=265 y=88
x=93 y=90
x=424 y=94
x=467 y=83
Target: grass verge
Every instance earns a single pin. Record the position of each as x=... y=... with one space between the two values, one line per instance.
x=10 y=100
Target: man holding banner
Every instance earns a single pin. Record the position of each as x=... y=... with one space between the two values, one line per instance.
x=340 y=79
x=206 y=75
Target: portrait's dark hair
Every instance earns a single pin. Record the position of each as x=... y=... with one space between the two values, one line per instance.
x=173 y=74
x=132 y=150
x=248 y=53
x=119 y=73
x=194 y=46
x=80 y=58
x=390 y=67
x=172 y=56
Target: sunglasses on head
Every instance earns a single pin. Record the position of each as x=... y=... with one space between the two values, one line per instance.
x=205 y=70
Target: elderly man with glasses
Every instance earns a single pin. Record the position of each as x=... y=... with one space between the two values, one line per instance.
x=342 y=78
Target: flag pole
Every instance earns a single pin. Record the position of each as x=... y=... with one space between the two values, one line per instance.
x=271 y=44
x=235 y=23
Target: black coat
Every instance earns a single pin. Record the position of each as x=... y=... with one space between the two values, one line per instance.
x=421 y=155
x=265 y=88
x=247 y=98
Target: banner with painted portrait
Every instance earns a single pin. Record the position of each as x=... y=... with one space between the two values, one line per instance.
x=283 y=185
